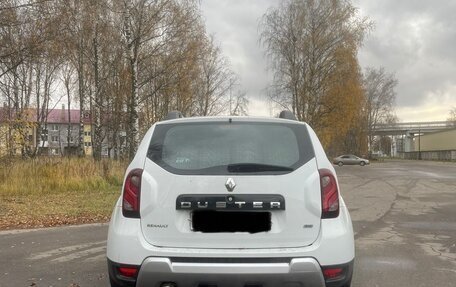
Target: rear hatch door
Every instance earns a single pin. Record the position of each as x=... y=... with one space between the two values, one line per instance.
x=266 y=161
x=164 y=225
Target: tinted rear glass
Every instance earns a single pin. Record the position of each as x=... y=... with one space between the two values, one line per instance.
x=212 y=147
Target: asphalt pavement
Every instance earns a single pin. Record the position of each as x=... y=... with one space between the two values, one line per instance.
x=404 y=216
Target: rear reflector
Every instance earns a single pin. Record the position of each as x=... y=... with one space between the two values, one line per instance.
x=132 y=193
x=333 y=273
x=338 y=275
x=130 y=272
x=329 y=194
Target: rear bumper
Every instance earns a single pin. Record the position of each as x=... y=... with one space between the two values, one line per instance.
x=188 y=272
x=297 y=272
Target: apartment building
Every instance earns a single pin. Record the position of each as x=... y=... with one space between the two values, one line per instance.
x=58 y=136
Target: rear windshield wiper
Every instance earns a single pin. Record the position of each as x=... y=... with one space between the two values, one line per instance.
x=256 y=167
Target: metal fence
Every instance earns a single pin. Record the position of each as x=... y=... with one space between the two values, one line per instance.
x=444 y=155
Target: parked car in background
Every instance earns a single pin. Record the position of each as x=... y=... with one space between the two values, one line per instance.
x=350 y=159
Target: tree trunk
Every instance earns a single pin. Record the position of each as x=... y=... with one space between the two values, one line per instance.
x=132 y=106
x=97 y=136
x=81 y=151
x=133 y=123
x=67 y=83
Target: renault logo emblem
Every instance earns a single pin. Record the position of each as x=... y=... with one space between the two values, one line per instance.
x=230 y=184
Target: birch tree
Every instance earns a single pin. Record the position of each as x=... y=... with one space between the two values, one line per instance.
x=379 y=88
x=215 y=82
x=312 y=46
x=144 y=28
x=301 y=39
x=67 y=74
x=133 y=61
x=342 y=125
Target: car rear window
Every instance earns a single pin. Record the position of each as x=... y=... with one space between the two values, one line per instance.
x=213 y=148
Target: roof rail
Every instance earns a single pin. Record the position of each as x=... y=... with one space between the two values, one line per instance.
x=173 y=115
x=288 y=115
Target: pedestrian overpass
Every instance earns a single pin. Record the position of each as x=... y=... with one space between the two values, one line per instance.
x=406 y=136
x=411 y=128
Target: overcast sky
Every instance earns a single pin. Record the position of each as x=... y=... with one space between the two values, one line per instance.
x=414 y=39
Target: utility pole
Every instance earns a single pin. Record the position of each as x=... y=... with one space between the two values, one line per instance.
x=419 y=144
x=231 y=89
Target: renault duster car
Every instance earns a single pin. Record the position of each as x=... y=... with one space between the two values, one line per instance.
x=228 y=202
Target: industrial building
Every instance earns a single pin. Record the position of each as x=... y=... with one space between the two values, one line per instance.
x=437 y=146
x=428 y=141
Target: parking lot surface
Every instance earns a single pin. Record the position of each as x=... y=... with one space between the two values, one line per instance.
x=404 y=216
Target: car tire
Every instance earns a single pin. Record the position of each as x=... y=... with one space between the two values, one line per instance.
x=340 y=163
x=362 y=163
x=112 y=283
x=348 y=284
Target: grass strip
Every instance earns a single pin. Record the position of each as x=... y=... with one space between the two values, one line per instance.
x=47 y=192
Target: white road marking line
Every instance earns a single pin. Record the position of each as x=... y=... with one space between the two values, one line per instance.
x=101 y=257
x=444 y=269
x=76 y=255
x=63 y=250
x=47 y=229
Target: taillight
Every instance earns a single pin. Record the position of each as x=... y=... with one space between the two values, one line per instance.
x=130 y=272
x=332 y=274
x=329 y=194
x=131 y=194
x=122 y=274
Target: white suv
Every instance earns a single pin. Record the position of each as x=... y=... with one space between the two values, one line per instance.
x=228 y=202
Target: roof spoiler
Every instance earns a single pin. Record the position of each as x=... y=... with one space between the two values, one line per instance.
x=172 y=115
x=288 y=115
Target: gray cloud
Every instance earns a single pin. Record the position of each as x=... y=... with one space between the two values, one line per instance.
x=415 y=39
x=235 y=26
